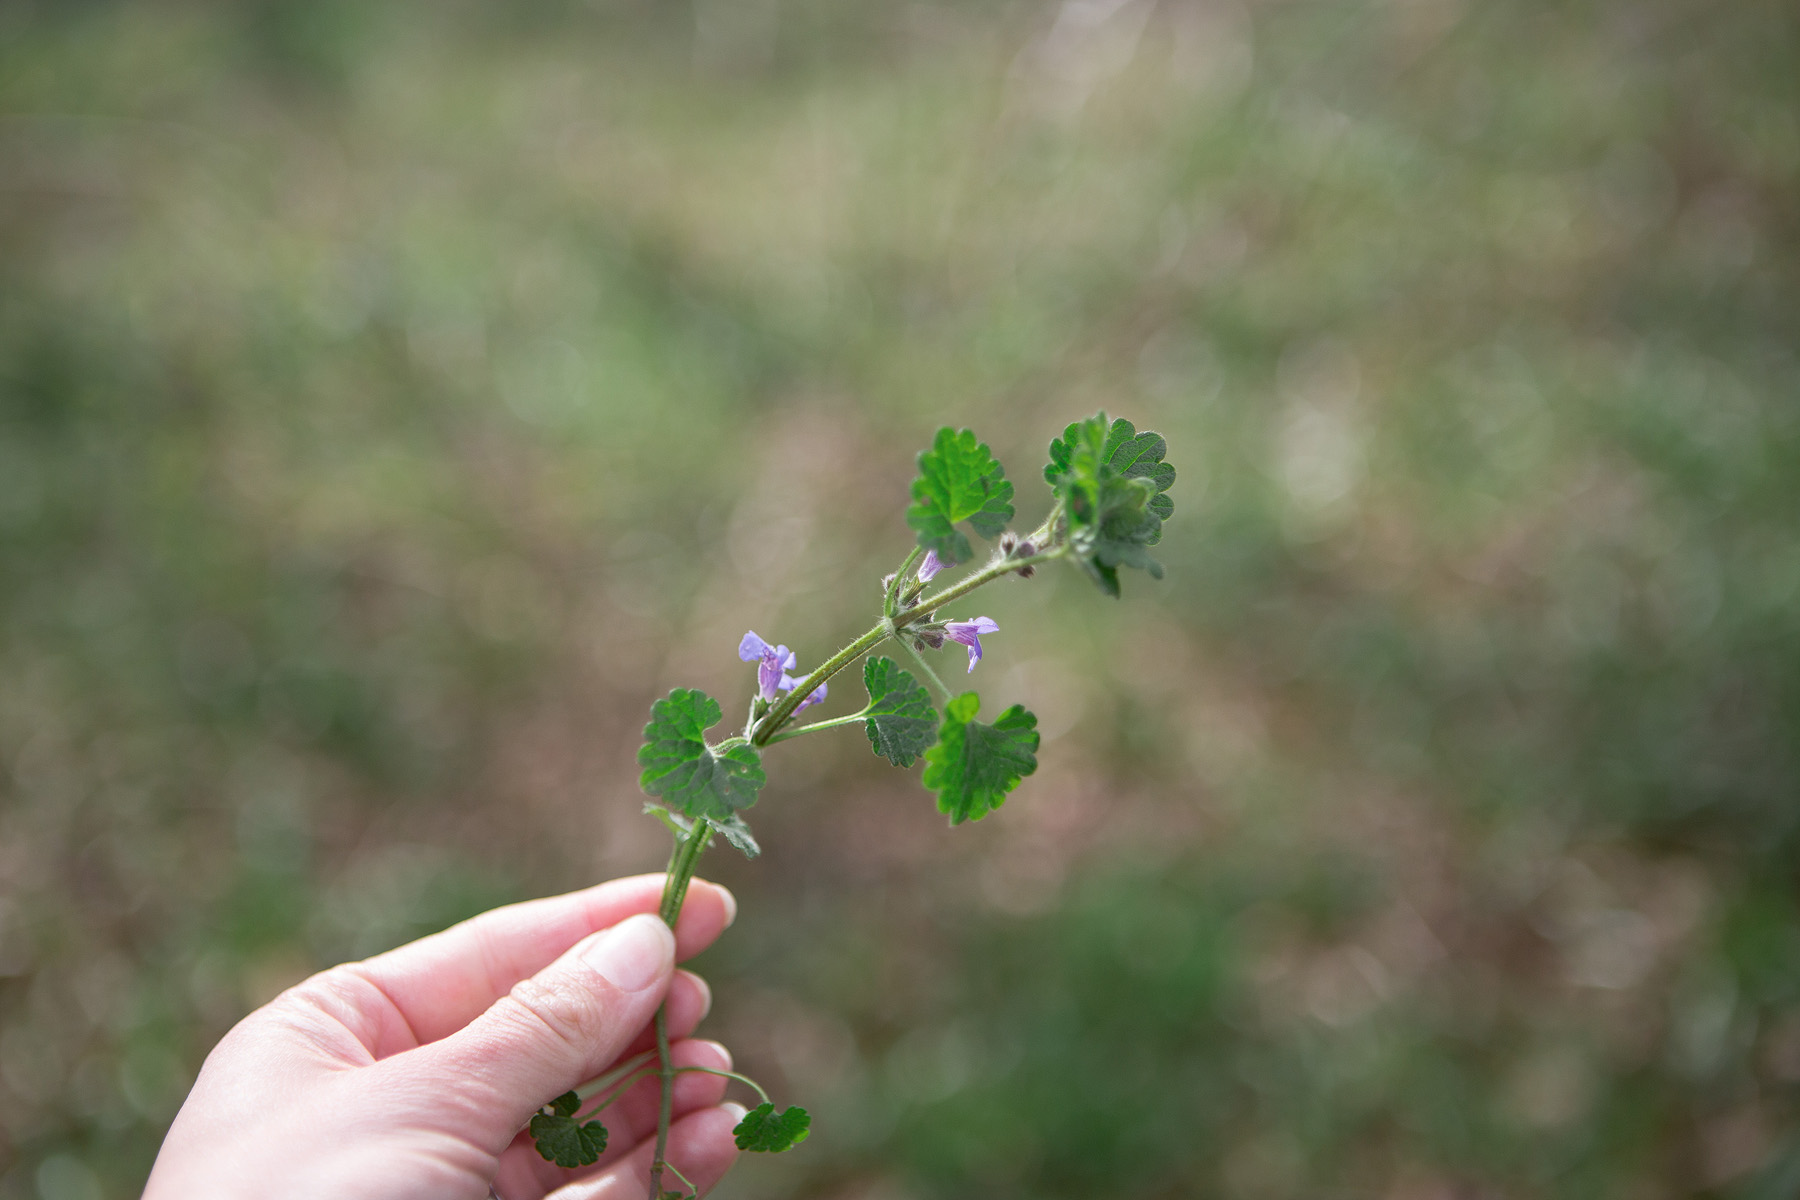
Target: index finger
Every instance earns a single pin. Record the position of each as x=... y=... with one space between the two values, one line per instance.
x=440 y=983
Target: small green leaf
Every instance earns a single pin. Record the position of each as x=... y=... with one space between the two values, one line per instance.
x=901 y=724
x=763 y=1130
x=565 y=1104
x=1113 y=483
x=974 y=765
x=959 y=480
x=736 y=830
x=733 y=829
x=690 y=776
x=561 y=1141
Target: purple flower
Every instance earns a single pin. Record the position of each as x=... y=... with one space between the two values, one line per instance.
x=771 y=662
x=931 y=566
x=969 y=634
x=772 y=666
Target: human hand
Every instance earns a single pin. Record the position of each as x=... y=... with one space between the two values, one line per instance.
x=412 y=1074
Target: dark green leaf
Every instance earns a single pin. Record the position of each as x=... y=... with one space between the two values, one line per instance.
x=690 y=776
x=560 y=1140
x=764 y=1130
x=1113 y=483
x=959 y=480
x=901 y=724
x=565 y=1104
x=974 y=765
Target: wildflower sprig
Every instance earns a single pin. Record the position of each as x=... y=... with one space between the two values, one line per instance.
x=1109 y=500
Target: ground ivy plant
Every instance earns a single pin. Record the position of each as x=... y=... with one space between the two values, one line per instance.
x=1109 y=498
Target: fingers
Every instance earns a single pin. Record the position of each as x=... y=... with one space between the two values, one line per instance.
x=690 y=999
x=700 y=1147
x=553 y=1030
x=440 y=983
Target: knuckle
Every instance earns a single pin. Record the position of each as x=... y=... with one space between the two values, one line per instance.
x=570 y=1014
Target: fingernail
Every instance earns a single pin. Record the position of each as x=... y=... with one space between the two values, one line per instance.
x=705 y=990
x=730 y=905
x=722 y=1052
x=736 y=1110
x=633 y=954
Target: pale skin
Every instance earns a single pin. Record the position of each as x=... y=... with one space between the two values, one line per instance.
x=411 y=1075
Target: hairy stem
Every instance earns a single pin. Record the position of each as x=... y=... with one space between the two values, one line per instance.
x=853 y=719
x=891 y=604
x=986 y=575
x=681 y=872
x=784 y=708
x=766 y=728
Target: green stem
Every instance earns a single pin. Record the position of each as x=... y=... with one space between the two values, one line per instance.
x=730 y=1075
x=784 y=708
x=642 y=1072
x=926 y=667
x=681 y=872
x=891 y=604
x=686 y=1182
x=588 y=1091
x=797 y=730
x=986 y=575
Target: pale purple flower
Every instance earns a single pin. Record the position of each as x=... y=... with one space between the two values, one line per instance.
x=969 y=634
x=772 y=662
x=772 y=666
x=931 y=566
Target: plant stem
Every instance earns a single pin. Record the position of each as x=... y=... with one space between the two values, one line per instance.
x=930 y=674
x=686 y=1182
x=986 y=575
x=833 y=723
x=624 y=1086
x=891 y=603
x=784 y=708
x=605 y=1083
x=730 y=1075
x=681 y=872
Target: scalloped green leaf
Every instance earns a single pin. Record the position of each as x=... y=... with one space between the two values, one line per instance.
x=687 y=774
x=901 y=723
x=564 y=1142
x=1113 y=483
x=766 y=1131
x=974 y=765
x=959 y=480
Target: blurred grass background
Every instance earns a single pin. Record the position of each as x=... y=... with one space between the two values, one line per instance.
x=396 y=397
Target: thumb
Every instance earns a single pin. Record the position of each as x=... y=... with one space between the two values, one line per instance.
x=560 y=1027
